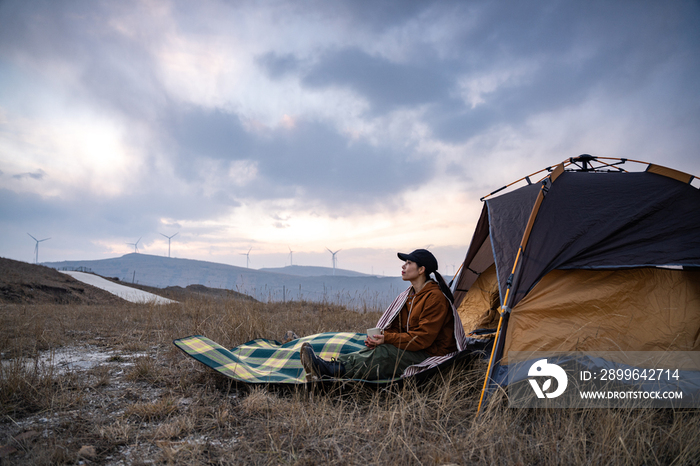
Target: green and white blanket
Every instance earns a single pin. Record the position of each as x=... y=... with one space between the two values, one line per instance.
x=268 y=361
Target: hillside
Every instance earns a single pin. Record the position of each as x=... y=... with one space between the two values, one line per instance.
x=25 y=283
x=364 y=291
x=179 y=293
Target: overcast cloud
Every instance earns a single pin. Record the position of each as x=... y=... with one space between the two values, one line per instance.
x=369 y=127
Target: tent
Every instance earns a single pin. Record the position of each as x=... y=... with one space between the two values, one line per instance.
x=593 y=257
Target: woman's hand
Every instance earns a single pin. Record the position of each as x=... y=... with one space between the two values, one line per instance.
x=373 y=341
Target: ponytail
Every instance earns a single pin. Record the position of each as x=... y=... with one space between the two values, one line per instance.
x=443 y=287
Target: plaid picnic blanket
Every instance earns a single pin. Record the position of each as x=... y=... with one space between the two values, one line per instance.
x=268 y=361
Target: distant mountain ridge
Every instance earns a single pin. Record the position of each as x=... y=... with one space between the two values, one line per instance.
x=313 y=271
x=361 y=291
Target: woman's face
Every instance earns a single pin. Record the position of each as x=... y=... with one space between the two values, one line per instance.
x=410 y=271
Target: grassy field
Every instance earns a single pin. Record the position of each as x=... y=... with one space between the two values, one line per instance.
x=146 y=402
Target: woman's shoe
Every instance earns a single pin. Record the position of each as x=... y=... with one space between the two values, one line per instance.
x=317 y=367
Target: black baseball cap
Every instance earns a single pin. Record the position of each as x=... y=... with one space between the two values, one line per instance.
x=423 y=258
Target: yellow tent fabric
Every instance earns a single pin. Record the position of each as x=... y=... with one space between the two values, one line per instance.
x=479 y=308
x=641 y=309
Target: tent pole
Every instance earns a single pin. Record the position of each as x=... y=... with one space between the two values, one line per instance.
x=488 y=369
x=498 y=333
x=523 y=242
x=566 y=163
x=455 y=275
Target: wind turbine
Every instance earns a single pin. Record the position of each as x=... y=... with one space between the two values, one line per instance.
x=169 y=238
x=247 y=257
x=36 y=248
x=335 y=261
x=291 y=256
x=135 y=245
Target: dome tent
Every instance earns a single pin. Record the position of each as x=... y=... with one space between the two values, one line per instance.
x=591 y=258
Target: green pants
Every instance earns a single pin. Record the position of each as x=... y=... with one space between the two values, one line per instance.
x=384 y=362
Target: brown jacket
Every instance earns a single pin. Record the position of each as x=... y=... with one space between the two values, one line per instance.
x=430 y=323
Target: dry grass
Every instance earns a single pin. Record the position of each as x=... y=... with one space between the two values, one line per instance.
x=148 y=402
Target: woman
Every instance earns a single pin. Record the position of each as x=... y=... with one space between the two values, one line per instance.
x=419 y=324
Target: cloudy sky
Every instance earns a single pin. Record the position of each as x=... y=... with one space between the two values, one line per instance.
x=367 y=126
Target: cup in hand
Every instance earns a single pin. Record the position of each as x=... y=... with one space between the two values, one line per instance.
x=374 y=331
